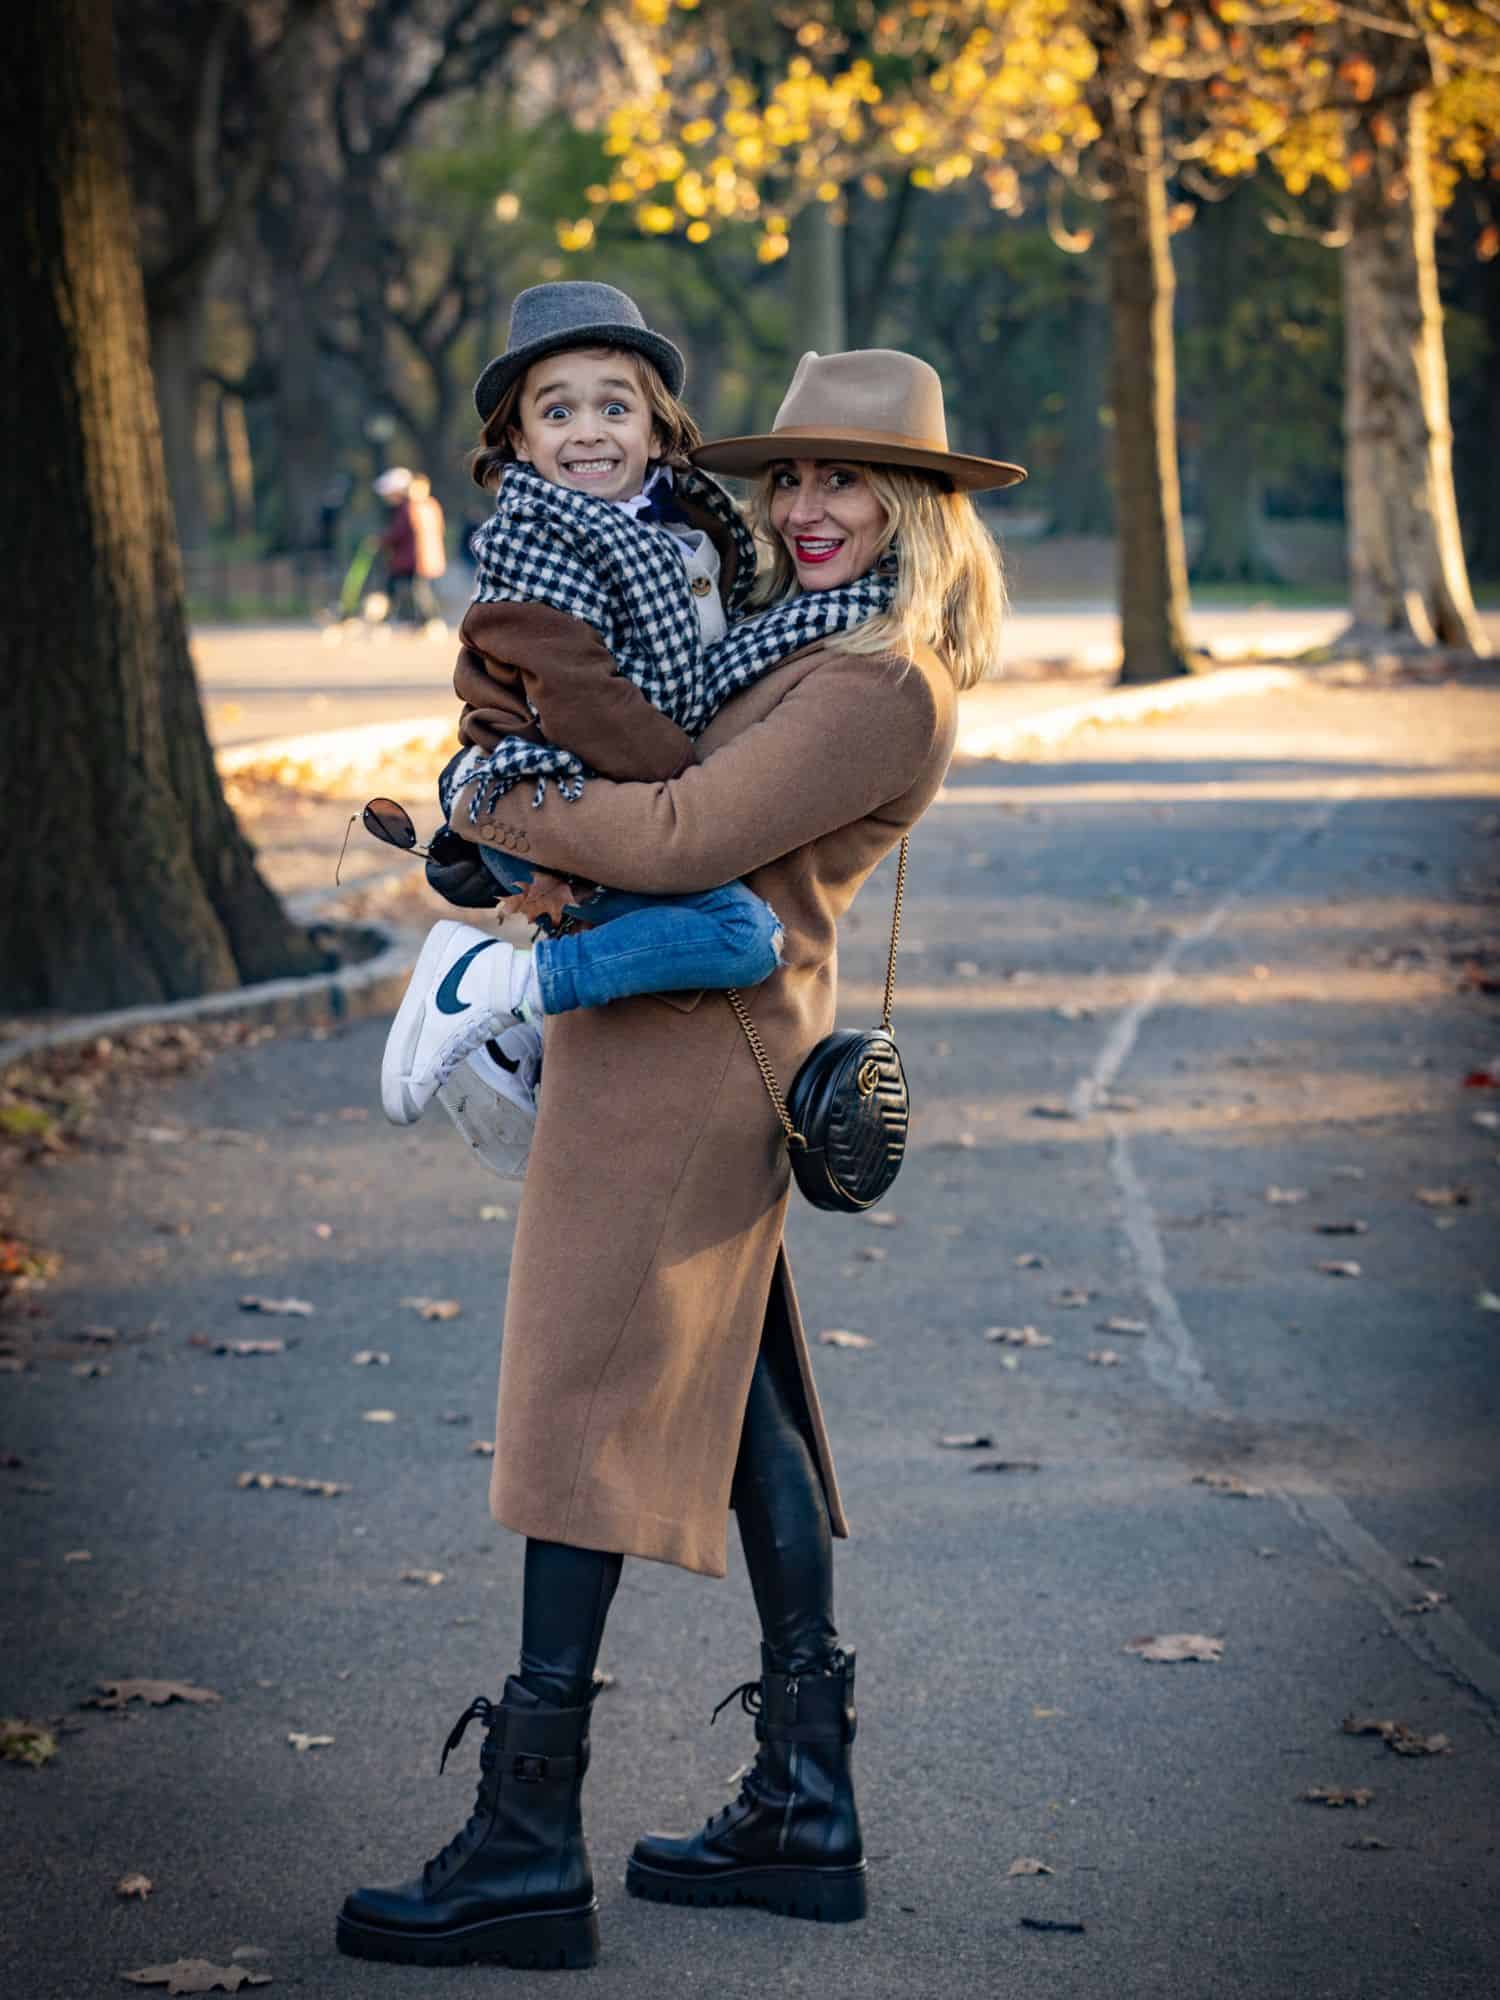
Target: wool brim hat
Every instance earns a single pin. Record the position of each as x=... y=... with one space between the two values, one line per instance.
x=873 y=406
x=546 y=319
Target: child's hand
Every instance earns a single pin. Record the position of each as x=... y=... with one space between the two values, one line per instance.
x=545 y=895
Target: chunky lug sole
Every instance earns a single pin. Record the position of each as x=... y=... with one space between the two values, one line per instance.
x=547 y=1942
x=825 y=1895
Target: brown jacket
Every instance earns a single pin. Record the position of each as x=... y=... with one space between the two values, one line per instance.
x=648 y=1255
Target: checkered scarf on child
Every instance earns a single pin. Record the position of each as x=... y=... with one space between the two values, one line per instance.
x=546 y=544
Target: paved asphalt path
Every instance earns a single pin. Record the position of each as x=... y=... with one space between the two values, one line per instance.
x=1227 y=950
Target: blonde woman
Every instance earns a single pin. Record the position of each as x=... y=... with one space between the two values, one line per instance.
x=655 y=1372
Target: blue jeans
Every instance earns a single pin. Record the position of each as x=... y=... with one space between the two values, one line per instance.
x=649 y=944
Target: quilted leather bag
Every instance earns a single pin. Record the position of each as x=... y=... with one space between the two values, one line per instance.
x=847 y=1112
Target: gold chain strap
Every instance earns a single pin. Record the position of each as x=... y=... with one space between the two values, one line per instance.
x=758 y=1047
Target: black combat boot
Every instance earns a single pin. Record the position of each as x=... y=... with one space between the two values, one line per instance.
x=514 y=1886
x=791 y=1841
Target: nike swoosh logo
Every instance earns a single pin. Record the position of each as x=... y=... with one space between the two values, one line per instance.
x=503 y=1059
x=448 y=1001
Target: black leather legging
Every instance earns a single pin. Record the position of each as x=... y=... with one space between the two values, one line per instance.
x=783 y=1516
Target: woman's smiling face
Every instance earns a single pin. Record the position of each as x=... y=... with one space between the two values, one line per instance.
x=585 y=422
x=829 y=518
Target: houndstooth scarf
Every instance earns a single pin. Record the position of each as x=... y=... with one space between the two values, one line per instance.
x=595 y=561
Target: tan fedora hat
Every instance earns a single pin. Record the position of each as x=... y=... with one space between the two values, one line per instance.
x=874 y=405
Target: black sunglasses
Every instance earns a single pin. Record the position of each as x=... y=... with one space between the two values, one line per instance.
x=387 y=821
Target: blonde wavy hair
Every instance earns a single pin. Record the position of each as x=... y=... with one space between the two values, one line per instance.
x=950 y=588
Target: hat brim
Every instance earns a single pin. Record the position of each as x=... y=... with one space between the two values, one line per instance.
x=746 y=455
x=505 y=368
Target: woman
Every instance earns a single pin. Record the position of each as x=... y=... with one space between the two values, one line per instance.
x=654 y=1370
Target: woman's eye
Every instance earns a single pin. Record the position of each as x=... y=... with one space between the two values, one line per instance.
x=783 y=482
x=839 y=480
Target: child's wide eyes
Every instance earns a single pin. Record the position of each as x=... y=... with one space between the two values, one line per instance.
x=556 y=410
x=616 y=410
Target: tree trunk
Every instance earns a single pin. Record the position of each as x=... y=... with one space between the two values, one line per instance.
x=1153 y=587
x=1230 y=486
x=815 y=284
x=176 y=363
x=1409 y=586
x=1082 y=500
x=131 y=881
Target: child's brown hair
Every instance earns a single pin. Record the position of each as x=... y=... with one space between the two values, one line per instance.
x=674 y=427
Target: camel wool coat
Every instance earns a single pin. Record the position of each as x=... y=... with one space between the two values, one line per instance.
x=648 y=1260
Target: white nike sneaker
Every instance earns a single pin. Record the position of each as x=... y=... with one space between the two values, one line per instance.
x=491 y=1098
x=466 y=988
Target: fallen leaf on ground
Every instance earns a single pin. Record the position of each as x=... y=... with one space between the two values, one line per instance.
x=872 y=1253
x=1228 y=1482
x=197 y=1975
x=837 y=1336
x=483 y=1447
x=77 y=1556
x=288 y=1308
x=23 y=1742
x=322 y=1230
x=1338 y=1795
x=1426 y=1562
x=1007 y=1465
x=1351 y=1228
x=1031 y=1260
x=1281 y=1197
x=1051 y=1924
x=1398 y=1736
x=372 y=1357
x=1017 y=1336
x=881 y=1221
x=492 y=1212
x=249 y=1347
x=1177 y=1646
x=300 y=1741
x=967 y=1441
x=1104 y=1357
x=115 y=1694
x=1072 y=1296
x=91 y=1368
x=1029 y=1865
x=378 y=1416
x=1348 y=1173
x=1052 y=1110
x=431 y=1577
x=1368 y=1844
x=1131 y=1326
x=1444 y=1197
x=1340 y=1267
x=266 y=1480
x=434 y=1308
x=1430 y=1600
x=139 y=1886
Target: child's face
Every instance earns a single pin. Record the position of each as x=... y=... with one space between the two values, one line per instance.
x=584 y=422
x=830 y=519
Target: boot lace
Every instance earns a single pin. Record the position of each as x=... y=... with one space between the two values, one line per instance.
x=472 y=1830
x=754 y=1788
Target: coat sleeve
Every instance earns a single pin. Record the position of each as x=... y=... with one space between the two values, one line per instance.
x=848 y=738
x=582 y=701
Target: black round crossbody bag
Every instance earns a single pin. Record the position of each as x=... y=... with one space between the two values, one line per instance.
x=846 y=1114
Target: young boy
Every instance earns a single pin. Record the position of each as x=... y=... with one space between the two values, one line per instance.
x=582 y=651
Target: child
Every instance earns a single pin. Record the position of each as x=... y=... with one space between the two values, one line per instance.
x=582 y=651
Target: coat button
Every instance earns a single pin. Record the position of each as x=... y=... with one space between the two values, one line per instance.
x=701 y=586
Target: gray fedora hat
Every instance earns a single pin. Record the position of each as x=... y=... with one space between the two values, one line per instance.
x=580 y=313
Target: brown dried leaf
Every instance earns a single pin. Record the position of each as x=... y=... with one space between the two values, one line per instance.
x=1340 y=1267
x=1104 y=1357
x=483 y=1448
x=882 y=1220
x=1017 y=1336
x=434 y=1308
x=837 y=1336
x=197 y=1975
x=1368 y=1844
x=1281 y=1197
x=1444 y=1197
x=1031 y=1260
x=1072 y=1296
x=301 y=1742
x=327 y=1488
x=1053 y=1109
x=1228 y=1482
x=1430 y=1600
x=1351 y=1228
x=1007 y=1465
x=1338 y=1795
x=1397 y=1736
x=287 y=1308
x=493 y=1212
x=966 y=1441
x=158 y=1693
x=139 y=1886
x=378 y=1416
x=1426 y=1562
x=372 y=1357
x=1130 y=1326
x=1029 y=1865
x=1177 y=1646
x=431 y=1577
x=249 y=1347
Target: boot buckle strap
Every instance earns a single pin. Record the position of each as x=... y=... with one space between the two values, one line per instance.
x=528 y=1770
